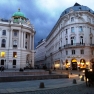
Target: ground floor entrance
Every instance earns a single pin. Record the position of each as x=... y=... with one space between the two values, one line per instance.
x=74 y=64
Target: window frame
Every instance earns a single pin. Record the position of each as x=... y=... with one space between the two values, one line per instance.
x=73 y=52
x=4 y=32
x=72 y=29
x=3 y=43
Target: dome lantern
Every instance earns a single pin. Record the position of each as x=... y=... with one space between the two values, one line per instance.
x=19 y=14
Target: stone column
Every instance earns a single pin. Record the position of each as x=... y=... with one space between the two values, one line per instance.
x=30 y=42
x=33 y=42
x=22 y=40
x=11 y=39
x=19 y=37
x=32 y=63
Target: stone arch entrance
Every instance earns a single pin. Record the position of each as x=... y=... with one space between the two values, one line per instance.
x=74 y=64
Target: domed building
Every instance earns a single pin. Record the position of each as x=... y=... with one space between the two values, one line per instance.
x=17 y=42
x=70 y=43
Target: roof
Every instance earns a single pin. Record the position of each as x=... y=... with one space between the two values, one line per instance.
x=18 y=14
x=77 y=7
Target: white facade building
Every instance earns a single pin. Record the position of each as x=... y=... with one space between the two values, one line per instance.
x=70 y=44
x=17 y=42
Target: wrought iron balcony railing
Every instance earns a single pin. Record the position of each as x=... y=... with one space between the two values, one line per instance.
x=74 y=45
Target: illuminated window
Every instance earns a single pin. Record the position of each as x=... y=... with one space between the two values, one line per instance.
x=15 y=54
x=3 y=54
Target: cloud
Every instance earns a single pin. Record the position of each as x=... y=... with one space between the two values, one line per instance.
x=43 y=14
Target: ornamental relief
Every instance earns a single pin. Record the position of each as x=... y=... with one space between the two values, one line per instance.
x=72 y=35
x=81 y=34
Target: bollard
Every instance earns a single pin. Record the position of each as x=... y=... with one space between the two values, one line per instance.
x=42 y=85
x=74 y=81
x=82 y=78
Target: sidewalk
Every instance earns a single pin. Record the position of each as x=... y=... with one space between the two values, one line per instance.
x=27 y=86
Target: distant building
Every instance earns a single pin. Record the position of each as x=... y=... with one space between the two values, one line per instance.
x=70 y=44
x=40 y=54
x=17 y=42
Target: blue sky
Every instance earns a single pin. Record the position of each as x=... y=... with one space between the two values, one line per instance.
x=43 y=14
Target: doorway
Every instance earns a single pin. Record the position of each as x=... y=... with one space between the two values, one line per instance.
x=74 y=64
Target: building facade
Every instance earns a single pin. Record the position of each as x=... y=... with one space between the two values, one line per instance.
x=70 y=44
x=17 y=42
x=40 y=54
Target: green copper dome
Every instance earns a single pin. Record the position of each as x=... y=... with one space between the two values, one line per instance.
x=18 y=14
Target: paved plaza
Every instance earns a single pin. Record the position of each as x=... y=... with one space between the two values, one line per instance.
x=52 y=86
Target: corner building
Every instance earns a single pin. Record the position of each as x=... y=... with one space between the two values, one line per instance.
x=70 y=44
x=17 y=42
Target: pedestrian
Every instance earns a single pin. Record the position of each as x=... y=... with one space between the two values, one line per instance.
x=1 y=68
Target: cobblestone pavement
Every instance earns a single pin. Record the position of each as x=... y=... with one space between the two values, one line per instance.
x=77 y=89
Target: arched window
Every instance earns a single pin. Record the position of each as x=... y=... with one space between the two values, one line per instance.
x=15 y=43
x=4 y=32
x=3 y=43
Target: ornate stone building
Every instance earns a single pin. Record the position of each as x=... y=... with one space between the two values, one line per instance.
x=70 y=44
x=17 y=42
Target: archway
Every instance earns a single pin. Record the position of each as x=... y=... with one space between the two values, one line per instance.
x=74 y=64
x=82 y=64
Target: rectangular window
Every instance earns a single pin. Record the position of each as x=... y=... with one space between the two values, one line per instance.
x=4 y=32
x=80 y=28
x=73 y=52
x=72 y=19
x=72 y=29
x=2 y=62
x=15 y=33
x=14 y=54
x=26 y=36
x=66 y=31
x=66 y=52
x=82 y=51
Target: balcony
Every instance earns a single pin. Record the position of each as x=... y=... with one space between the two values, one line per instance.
x=74 y=45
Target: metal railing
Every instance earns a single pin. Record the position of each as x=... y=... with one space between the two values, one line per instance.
x=74 y=45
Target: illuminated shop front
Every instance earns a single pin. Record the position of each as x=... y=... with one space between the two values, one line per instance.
x=67 y=64
x=57 y=64
x=82 y=64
